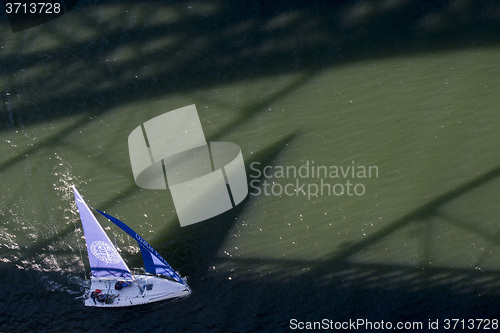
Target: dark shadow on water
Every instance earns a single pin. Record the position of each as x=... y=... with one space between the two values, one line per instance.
x=264 y=294
x=425 y=212
x=249 y=295
x=232 y=42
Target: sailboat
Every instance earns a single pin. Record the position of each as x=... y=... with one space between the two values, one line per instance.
x=112 y=282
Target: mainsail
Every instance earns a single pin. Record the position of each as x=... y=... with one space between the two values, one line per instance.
x=153 y=261
x=105 y=261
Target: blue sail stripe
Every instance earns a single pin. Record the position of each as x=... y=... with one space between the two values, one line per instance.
x=147 y=259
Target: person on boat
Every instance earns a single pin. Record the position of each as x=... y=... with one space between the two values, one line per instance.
x=122 y=284
x=106 y=298
x=95 y=294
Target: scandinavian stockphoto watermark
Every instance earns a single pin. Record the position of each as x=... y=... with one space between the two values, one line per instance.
x=310 y=179
x=208 y=178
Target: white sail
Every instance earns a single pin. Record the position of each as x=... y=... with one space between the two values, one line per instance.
x=105 y=261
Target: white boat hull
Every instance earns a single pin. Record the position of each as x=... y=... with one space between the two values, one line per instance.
x=154 y=289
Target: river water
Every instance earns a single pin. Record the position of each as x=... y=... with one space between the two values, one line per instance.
x=369 y=131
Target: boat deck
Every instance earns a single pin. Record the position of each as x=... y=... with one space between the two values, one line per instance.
x=154 y=289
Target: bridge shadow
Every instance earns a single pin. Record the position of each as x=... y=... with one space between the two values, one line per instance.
x=264 y=294
x=215 y=44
